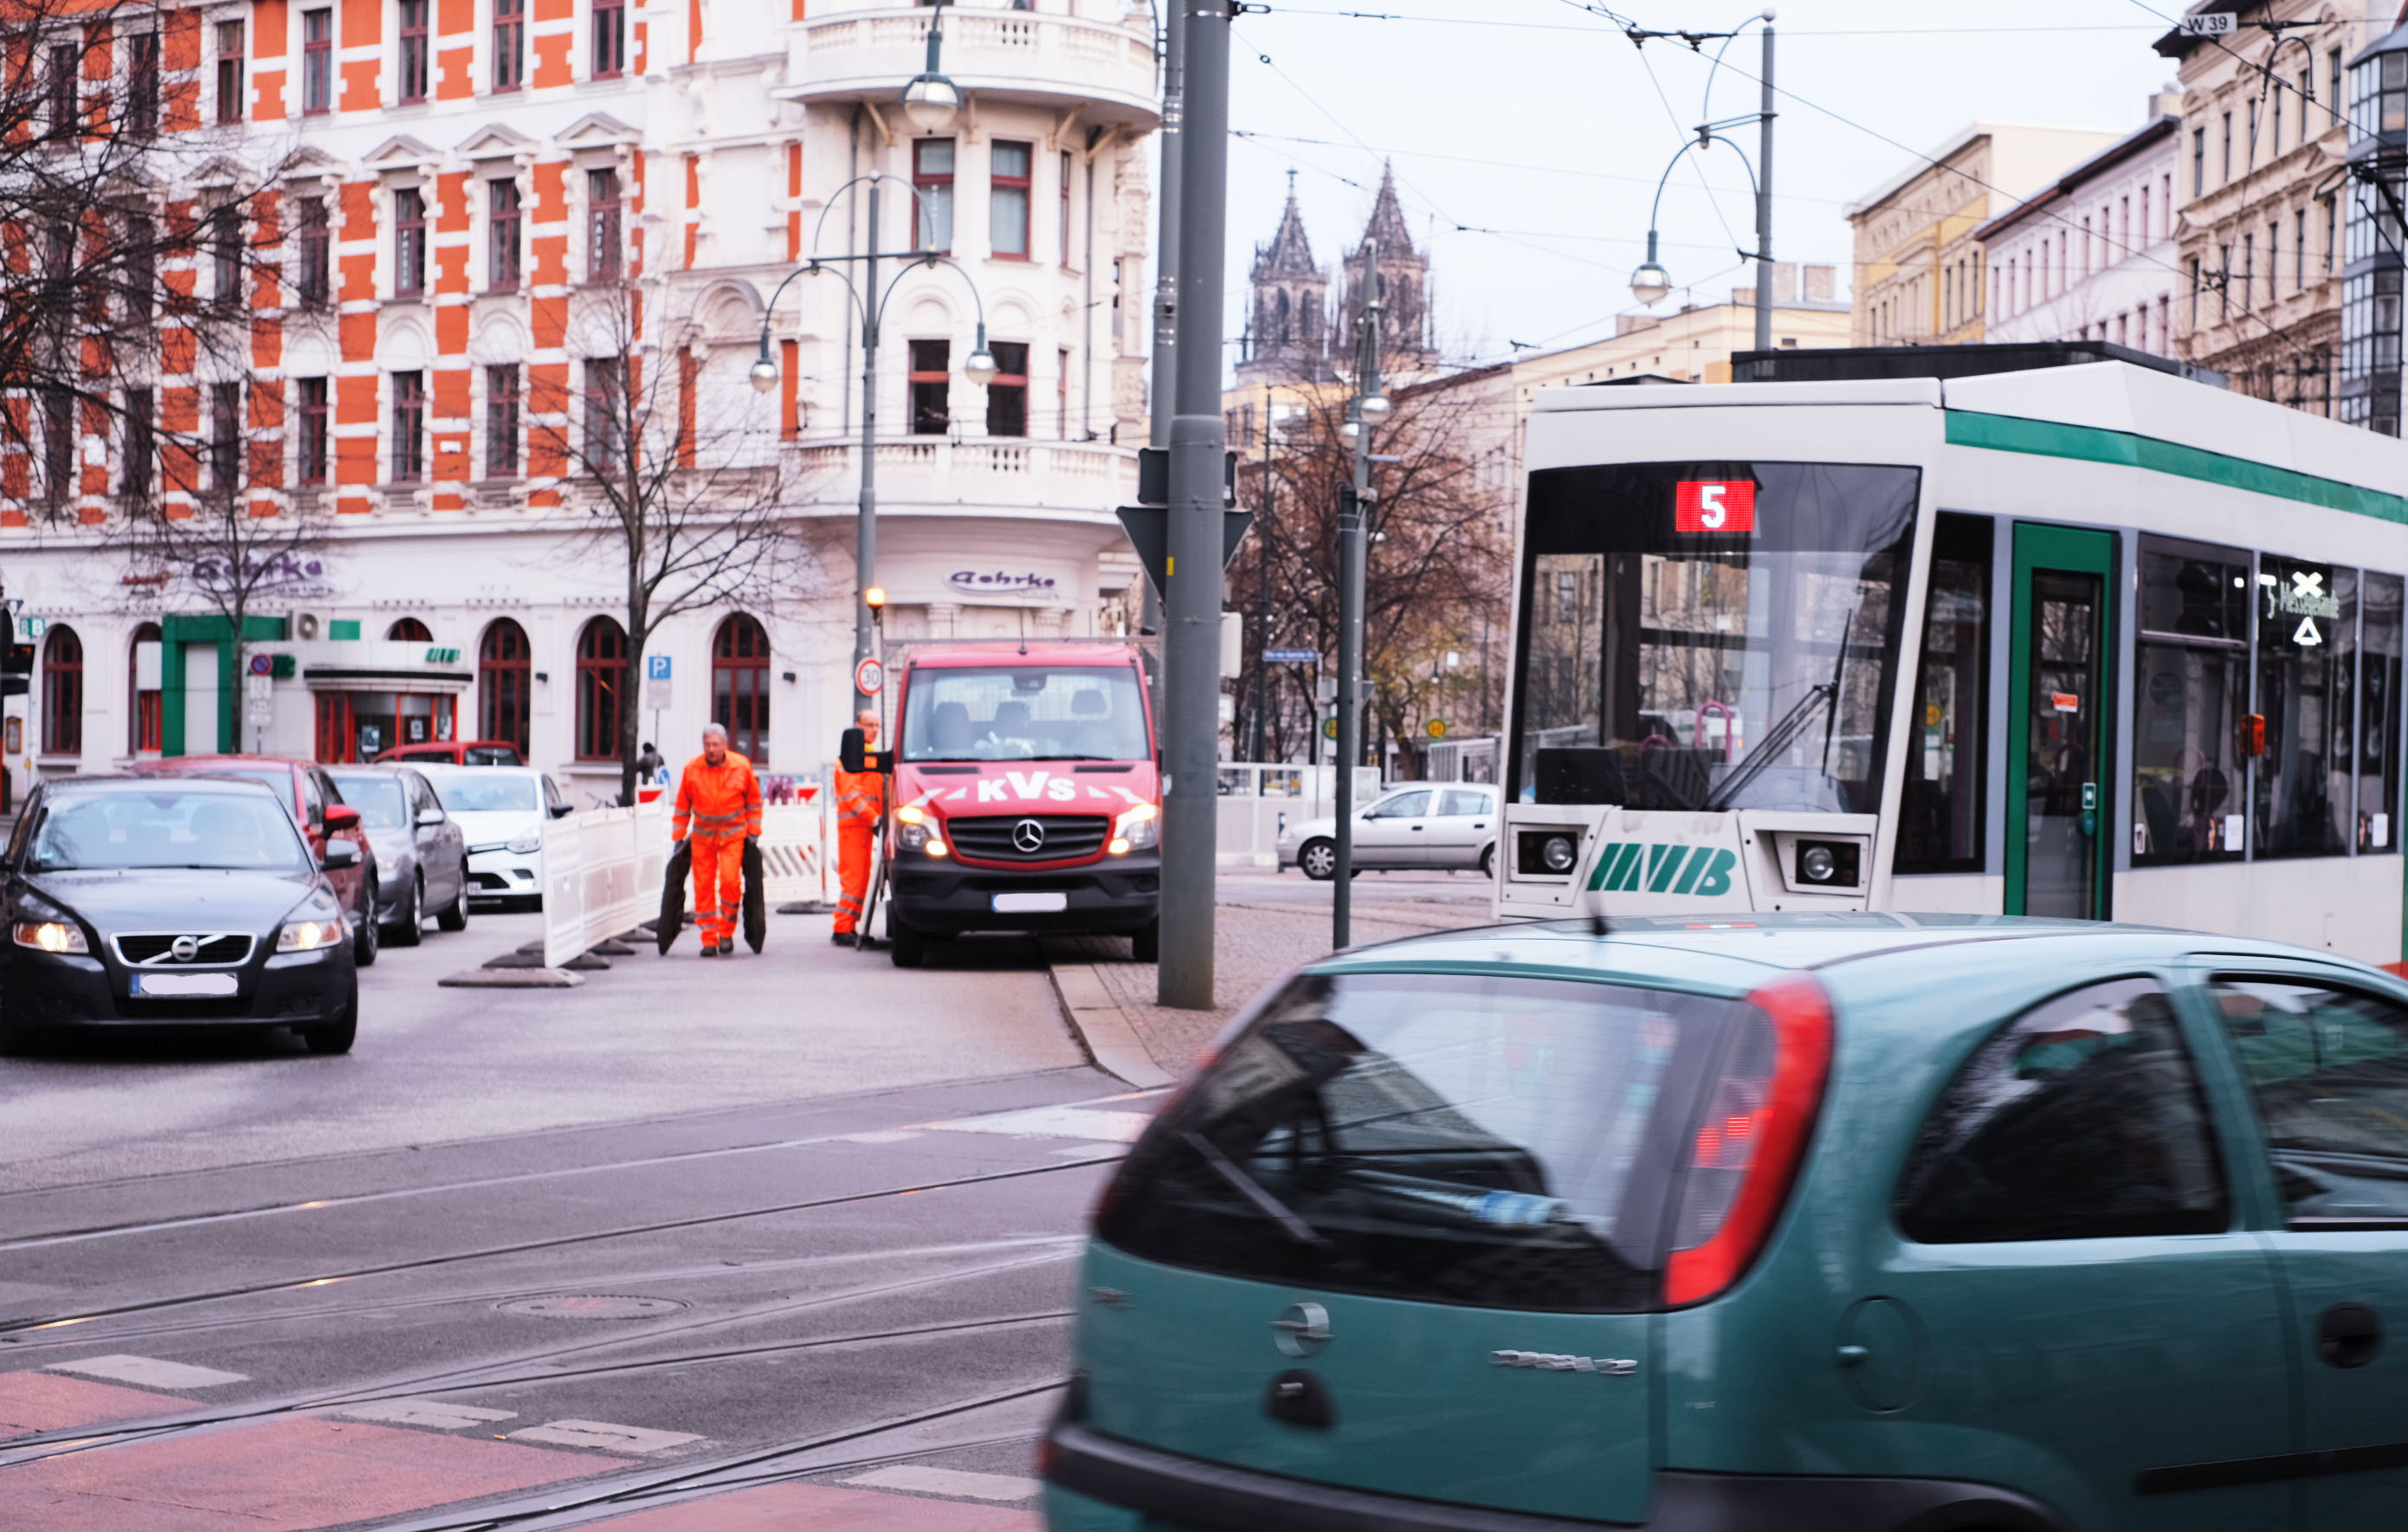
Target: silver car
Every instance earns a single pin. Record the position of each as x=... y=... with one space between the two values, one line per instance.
x=421 y=858
x=1445 y=826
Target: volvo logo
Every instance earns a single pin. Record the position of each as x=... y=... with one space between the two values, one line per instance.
x=1028 y=836
x=185 y=949
x=1302 y=1331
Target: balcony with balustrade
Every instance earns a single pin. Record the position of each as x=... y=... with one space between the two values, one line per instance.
x=1062 y=54
x=1005 y=477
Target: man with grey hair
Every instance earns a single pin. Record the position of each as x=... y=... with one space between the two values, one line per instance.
x=718 y=808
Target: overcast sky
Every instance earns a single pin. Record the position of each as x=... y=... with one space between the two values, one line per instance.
x=1540 y=122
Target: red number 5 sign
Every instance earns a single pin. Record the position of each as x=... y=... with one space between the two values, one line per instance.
x=1712 y=504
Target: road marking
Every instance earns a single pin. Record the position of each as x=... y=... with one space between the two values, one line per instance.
x=604 y=1437
x=886 y=1137
x=1118 y=1127
x=438 y=1413
x=148 y=1372
x=920 y=1478
x=33 y=1401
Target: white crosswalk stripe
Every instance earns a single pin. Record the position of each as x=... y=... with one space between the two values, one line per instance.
x=604 y=1437
x=148 y=1372
x=440 y=1413
x=920 y=1478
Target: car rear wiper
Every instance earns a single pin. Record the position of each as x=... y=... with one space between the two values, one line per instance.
x=1290 y=1222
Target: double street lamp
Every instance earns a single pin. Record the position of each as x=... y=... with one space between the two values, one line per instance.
x=929 y=101
x=1650 y=282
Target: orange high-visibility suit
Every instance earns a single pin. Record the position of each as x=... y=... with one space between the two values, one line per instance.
x=860 y=803
x=717 y=807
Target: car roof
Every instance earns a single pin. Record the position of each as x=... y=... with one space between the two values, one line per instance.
x=234 y=758
x=181 y=782
x=1011 y=653
x=1864 y=958
x=451 y=768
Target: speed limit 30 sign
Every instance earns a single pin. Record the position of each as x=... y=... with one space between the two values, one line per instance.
x=869 y=677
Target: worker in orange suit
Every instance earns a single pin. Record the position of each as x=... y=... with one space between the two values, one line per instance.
x=718 y=810
x=860 y=804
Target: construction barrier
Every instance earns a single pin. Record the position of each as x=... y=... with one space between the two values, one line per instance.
x=602 y=872
x=796 y=839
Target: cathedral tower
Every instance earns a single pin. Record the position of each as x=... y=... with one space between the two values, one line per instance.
x=1407 y=346
x=1287 y=332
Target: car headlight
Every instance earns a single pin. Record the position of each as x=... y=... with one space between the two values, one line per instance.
x=1136 y=829
x=308 y=936
x=49 y=936
x=525 y=845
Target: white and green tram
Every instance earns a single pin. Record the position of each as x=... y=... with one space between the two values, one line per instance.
x=2092 y=640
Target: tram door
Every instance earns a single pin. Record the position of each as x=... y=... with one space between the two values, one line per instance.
x=2060 y=642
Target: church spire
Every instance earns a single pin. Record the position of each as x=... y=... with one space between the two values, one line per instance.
x=1287 y=331
x=1387 y=223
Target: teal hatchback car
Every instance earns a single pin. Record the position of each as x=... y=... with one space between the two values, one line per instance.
x=1822 y=1224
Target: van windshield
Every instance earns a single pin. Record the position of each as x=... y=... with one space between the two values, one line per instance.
x=1496 y=1142
x=1093 y=713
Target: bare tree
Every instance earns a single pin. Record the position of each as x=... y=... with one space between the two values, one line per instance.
x=674 y=468
x=1437 y=573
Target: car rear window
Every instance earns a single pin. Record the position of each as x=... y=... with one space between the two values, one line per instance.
x=490 y=755
x=378 y=798
x=476 y=793
x=1489 y=1141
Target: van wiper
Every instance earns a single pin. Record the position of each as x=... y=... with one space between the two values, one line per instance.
x=1279 y=1212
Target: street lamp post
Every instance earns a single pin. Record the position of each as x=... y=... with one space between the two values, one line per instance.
x=929 y=100
x=1367 y=408
x=1651 y=283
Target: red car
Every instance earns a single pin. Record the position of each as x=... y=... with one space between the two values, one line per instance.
x=453 y=752
x=319 y=808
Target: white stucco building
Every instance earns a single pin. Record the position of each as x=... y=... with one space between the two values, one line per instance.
x=479 y=216
x=2092 y=256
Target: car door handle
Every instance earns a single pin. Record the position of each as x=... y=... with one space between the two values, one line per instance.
x=2348 y=1334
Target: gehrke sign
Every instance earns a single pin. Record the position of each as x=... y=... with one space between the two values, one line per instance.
x=1001 y=582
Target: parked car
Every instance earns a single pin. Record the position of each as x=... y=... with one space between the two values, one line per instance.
x=1446 y=825
x=501 y=810
x=1786 y=1221
x=317 y=805
x=475 y=752
x=149 y=901
x=421 y=856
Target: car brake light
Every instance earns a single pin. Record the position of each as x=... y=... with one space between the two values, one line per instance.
x=1751 y=1139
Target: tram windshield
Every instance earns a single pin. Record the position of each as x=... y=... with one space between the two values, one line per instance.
x=1712 y=636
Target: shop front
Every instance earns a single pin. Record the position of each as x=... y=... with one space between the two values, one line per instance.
x=361 y=710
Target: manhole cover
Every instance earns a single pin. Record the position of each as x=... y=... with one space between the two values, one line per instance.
x=590 y=1306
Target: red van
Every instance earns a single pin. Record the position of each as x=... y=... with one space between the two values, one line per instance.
x=1025 y=795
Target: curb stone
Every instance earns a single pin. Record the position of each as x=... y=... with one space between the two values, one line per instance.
x=511 y=978
x=1103 y=1031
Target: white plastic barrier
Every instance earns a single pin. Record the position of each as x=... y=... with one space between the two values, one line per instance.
x=795 y=849
x=602 y=872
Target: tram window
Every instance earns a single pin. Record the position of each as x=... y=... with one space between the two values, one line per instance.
x=2189 y=779
x=1940 y=820
x=1747 y=663
x=2307 y=644
x=2378 y=714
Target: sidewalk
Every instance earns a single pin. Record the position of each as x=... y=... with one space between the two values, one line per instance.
x=1110 y=1001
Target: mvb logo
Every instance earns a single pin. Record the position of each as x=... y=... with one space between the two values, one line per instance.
x=1629 y=866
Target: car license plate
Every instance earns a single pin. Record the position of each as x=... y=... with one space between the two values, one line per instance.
x=1031 y=904
x=184 y=985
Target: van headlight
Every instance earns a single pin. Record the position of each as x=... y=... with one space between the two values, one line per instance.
x=525 y=845
x=49 y=936
x=1137 y=830
x=915 y=831
x=308 y=936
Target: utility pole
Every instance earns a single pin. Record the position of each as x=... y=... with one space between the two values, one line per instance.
x=1191 y=650
x=1166 y=279
x=1764 y=201
x=865 y=545
x=1366 y=409
x=1263 y=586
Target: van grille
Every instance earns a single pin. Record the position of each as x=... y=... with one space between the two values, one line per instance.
x=991 y=837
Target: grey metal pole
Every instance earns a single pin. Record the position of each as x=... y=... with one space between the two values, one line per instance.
x=864 y=544
x=1263 y=588
x=1191 y=650
x=1764 y=201
x=1350 y=555
x=1166 y=280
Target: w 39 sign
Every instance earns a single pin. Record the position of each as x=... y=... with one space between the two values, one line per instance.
x=1714 y=505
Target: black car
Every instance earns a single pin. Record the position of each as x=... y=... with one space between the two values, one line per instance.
x=156 y=901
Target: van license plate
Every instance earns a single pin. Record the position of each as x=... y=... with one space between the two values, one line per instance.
x=184 y=985
x=1031 y=904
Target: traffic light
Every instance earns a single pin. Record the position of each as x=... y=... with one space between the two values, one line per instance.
x=16 y=670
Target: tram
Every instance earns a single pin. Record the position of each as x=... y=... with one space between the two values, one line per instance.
x=2095 y=640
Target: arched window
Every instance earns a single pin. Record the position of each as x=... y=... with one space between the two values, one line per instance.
x=601 y=688
x=409 y=630
x=502 y=677
x=740 y=686
x=63 y=693
x=144 y=732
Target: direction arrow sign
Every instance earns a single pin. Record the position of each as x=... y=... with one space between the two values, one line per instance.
x=1148 y=533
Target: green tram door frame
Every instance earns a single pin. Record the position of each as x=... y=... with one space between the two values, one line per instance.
x=2061 y=711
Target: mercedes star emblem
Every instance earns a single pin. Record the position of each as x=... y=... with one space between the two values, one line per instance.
x=1302 y=1331
x=1029 y=836
x=185 y=949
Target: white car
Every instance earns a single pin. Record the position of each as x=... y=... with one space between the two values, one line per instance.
x=501 y=810
x=1448 y=826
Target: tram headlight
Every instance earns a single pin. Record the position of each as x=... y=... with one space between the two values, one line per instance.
x=1828 y=863
x=1556 y=853
x=1816 y=864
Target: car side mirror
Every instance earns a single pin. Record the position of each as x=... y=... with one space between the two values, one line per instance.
x=341 y=816
x=561 y=811
x=429 y=816
x=340 y=854
x=854 y=753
